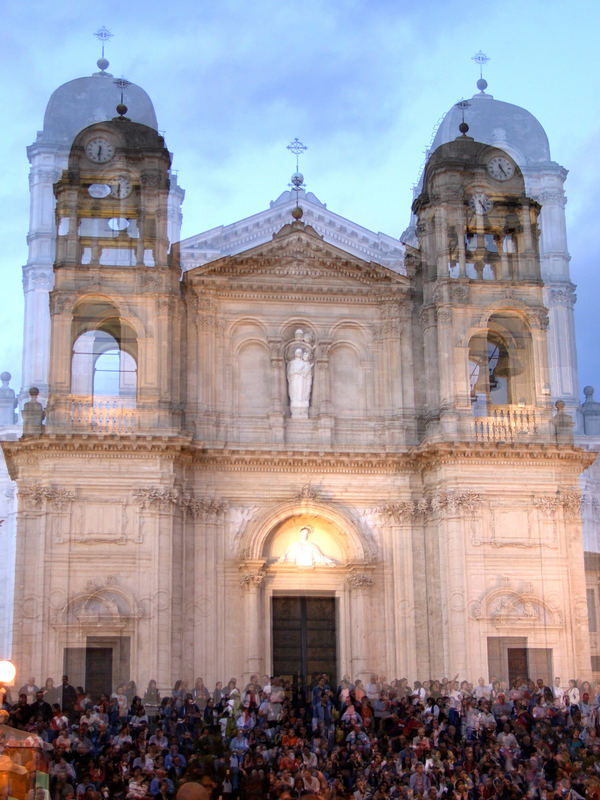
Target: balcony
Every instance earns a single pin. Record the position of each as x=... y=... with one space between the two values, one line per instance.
x=507 y=423
x=104 y=414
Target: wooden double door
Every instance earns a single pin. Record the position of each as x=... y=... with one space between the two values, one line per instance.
x=304 y=636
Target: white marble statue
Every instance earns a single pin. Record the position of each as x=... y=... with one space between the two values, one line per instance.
x=303 y=553
x=299 y=376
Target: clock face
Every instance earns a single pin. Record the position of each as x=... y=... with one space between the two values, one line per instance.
x=480 y=203
x=500 y=168
x=118 y=224
x=121 y=187
x=99 y=150
x=98 y=190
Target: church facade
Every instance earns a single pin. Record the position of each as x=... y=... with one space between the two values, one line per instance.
x=296 y=446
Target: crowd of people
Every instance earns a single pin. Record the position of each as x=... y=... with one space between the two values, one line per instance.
x=278 y=738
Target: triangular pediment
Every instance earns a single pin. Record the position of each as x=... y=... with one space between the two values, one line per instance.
x=297 y=256
x=244 y=234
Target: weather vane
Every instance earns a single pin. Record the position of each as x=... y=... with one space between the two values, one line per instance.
x=297 y=148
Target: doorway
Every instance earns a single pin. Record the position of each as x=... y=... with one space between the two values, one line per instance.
x=304 y=637
x=100 y=666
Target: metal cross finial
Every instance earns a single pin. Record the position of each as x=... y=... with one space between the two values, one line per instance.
x=463 y=105
x=103 y=35
x=481 y=59
x=122 y=84
x=296 y=147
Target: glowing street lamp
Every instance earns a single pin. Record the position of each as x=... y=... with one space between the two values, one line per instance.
x=7 y=671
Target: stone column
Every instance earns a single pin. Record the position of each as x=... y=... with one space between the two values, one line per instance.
x=452 y=510
x=400 y=518
x=252 y=576
x=359 y=584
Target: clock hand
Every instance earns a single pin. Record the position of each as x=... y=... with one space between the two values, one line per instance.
x=501 y=168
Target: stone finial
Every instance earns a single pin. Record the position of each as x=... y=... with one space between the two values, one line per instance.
x=590 y=410
x=8 y=401
x=563 y=424
x=33 y=414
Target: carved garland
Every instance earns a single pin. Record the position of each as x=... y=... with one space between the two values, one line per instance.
x=156 y=496
x=444 y=502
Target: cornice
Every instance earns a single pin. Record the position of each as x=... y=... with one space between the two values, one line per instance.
x=526 y=453
x=277 y=459
x=309 y=294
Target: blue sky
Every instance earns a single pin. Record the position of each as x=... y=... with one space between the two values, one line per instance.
x=362 y=83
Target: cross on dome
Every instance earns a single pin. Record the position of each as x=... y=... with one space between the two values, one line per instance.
x=103 y=35
x=297 y=180
x=481 y=58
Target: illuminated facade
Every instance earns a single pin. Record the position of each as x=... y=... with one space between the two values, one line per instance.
x=293 y=445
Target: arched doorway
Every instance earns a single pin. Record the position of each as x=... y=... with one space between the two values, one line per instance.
x=309 y=570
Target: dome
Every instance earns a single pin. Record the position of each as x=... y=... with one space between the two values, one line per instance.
x=503 y=125
x=83 y=101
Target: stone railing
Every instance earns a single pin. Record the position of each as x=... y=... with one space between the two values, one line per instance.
x=103 y=414
x=506 y=423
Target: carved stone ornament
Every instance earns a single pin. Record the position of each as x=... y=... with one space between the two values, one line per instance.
x=506 y=606
x=465 y=502
x=252 y=574
x=307 y=492
x=569 y=501
x=148 y=496
x=360 y=581
x=36 y=493
x=564 y=296
x=156 y=496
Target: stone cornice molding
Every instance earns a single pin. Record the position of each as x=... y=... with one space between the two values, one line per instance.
x=317 y=293
x=28 y=450
x=437 y=454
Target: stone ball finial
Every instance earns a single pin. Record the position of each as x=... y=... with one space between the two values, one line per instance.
x=102 y=64
x=560 y=405
x=6 y=376
x=33 y=392
x=297 y=212
x=463 y=128
x=121 y=109
x=588 y=392
x=482 y=84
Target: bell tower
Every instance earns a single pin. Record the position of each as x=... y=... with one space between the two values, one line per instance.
x=482 y=315
x=115 y=308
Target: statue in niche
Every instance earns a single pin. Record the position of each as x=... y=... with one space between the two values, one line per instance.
x=300 y=373
x=303 y=553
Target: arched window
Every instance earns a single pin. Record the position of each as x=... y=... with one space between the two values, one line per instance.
x=500 y=364
x=104 y=356
x=101 y=369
